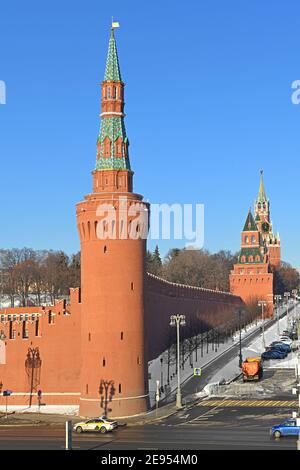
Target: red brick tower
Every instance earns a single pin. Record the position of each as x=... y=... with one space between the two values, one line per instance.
x=251 y=278
x=111 y=223
x=264 y=224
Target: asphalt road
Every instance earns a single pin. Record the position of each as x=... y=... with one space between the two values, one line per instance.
x=195 y=384
x=205 y=426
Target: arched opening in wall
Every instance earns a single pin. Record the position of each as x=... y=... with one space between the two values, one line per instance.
x=87 y=389
x=25 y=330
x=83 y=230
x=138 y=361
x=103 y=362
x=10 y=330
x=105 y=249
x=37 y=324
x=122 y=335
x=120 y=388
x=95 y=228
x=89 y=229
x=132 y=286
x=89 y=337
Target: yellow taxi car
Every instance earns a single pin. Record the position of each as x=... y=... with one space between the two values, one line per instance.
x=95 y=425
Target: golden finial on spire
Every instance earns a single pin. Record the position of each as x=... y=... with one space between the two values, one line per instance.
x=114 y=24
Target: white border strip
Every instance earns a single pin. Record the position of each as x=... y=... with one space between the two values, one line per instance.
x=116 y=399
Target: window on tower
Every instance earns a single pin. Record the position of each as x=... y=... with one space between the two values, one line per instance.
x=107 y=147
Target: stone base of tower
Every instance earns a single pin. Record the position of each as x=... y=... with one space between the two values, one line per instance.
x=117 y=408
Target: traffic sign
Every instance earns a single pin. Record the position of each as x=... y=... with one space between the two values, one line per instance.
x=197 y=372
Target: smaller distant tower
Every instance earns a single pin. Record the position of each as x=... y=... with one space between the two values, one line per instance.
x=251 y=278
x=264 y=224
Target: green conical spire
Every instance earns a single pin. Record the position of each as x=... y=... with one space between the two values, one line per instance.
x=250 y=225
x=261 y=193
x=112 y=70
x=112 y=127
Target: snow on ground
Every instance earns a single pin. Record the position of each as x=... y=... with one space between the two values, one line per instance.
x=231 y=370
x=156 y=370
x=70 y=410
x=256 y=348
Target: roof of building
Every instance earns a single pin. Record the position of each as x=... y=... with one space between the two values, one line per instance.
x=250 y=225
x=261 y=192
x=112 y=70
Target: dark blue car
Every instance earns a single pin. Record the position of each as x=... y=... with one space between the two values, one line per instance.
x=281 y=347
x=273 y=354
x=288 y=428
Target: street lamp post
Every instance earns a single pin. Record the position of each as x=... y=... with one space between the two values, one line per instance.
x=287 y=296
x=277 y=298
x=295 y=293
x=240 y=311
x=178 y=320
x=263 y=304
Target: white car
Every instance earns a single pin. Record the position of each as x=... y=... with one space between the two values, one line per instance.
x=95 y=424
x=286 y=340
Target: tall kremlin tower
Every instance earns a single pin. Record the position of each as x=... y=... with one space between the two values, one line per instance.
x=264 y=224
x=112 y=224
x=252 y=276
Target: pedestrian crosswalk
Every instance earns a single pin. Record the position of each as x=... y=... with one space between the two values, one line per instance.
x=249 y=403
x=204 y=418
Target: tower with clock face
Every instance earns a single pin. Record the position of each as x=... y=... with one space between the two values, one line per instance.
x=252 y=275
x=264 y=225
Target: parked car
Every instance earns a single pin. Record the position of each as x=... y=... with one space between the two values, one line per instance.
x=280 y=347
x=95 y=424
x=287 y=428
x=273 y=354
x=286 y=340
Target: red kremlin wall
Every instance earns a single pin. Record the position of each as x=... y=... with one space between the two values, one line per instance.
x=57 y=336
x=204 y=308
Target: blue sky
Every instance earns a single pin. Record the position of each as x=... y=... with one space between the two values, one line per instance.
x=208 y=104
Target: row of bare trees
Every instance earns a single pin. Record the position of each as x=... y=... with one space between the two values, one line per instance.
x=203 y=269
x=28 y=276
x=193 y=267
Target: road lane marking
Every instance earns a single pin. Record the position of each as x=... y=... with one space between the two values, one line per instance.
x=248 y=403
